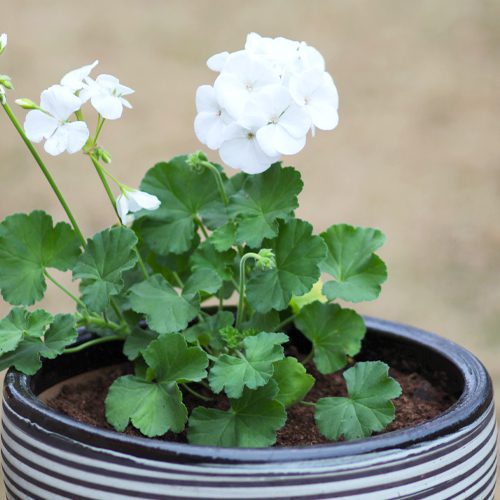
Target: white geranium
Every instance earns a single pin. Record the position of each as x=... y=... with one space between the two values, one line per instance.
x=3 y=42
x=75 y=80
x=315 y=91
x=106 y=95
x=212 y=120
x=133 y=200
x=264 y=102
x=50 y=122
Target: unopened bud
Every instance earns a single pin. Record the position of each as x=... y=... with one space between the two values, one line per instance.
x=266 y=259
x=195 y=160
x=3 y=42
x=6 y=82
x=104 y=155
x=26 y=103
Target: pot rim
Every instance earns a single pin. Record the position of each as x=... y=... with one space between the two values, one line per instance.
x=475 y=399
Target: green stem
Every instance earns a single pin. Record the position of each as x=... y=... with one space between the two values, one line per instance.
x=307 y=403
x=218 y=180
x=65 y=290
x=97 y=321
x=308 y=357
x=101 y=173
x=199 y=223
x=178 y=279
x=285 y=322
x=241 y=287
x=141 y=263
x=196 y=393
x=44 y=170
x=90 y=343
x=100 y=123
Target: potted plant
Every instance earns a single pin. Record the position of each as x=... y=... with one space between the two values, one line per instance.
x=215 y=380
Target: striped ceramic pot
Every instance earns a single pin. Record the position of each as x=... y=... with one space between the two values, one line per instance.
x=49 y=456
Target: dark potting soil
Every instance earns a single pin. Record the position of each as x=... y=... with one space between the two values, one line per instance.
x=421 y=400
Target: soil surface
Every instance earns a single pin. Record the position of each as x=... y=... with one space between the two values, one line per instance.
x=84 y=401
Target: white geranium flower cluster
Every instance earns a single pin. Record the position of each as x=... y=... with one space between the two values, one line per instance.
x=264 y=102
x=51 y=120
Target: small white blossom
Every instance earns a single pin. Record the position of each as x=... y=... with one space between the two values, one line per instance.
x=212 y=120
x=106 y=95
x=315 y=91
x=133 y=201
x=3 y=42
x=57 y=104
x=264 y=102
x=75 y=80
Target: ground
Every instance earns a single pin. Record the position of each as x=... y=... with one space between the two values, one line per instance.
x=416 y=152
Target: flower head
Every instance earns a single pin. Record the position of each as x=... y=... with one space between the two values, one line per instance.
x=50 y=122
x=3 y=42
x=106 y=95
x=134 y=200
x=264 y=102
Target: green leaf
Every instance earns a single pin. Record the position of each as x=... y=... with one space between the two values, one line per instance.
x=153 y=408
x=224 y=237
x=172 y=360
x=207 y=257
x=27 y=354
x=206 y=332
x=165 y=311
x=204 y=280
x=19 y=323
x=137 y=341
x=253 y=368
x=251 y=422
x=263 y=200
x=265 y=322
x=358 y=272
x=30 y=244
x=298 y=256
x=101 y=266
x=368 y=407
x=293 y=381
x=185 y=194
x=334 y=332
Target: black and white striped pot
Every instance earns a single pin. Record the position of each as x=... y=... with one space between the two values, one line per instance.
x=47 y=455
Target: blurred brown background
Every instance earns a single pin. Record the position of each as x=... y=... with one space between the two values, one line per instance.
x=416 y=152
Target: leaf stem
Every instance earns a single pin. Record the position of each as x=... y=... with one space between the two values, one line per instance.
x=286 y=322
x=308 y=357
x=65 y=290
x=199 y=223
x=218 y=180
x=92 y=320
x=242 y=285
x=44 y=170
x=196 y=393
x=178 y=279
x=307 y=403
x=90 y=343
x=102 y=175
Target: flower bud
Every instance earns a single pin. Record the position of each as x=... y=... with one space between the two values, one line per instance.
x=103 y=155
x=266 y=259
x=6 y=82
x=195 y=160
x=26 y=103
x=3 y=42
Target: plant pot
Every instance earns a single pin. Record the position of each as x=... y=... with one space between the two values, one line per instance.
x=48 y=455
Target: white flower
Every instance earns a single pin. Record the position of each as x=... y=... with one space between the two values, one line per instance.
x=133 y=201
x=3 y=42
x=241 y=150
x=75 y=80
x=212 y=120
x=315 y=91
x=58 y=104
x=242 y=76
x=106 y=95
x=286 y=123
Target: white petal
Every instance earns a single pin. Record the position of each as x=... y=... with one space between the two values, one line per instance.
x=60 y=102
x=231 y=94
x=216 y=134
x=138 y=200
x=304 y=85
x=109 y=82
x=74 y=79
x=243 y=152
x=324 y=116
x=274 y=140
x=125 y=103
x=3 y=41
x=78 y=134
x=209 y=128
x=296 y=121
x=39 y=125
x=217 y=61
x=206 y=100
x=110 y=107
x=122 y=208
x=57 y=143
